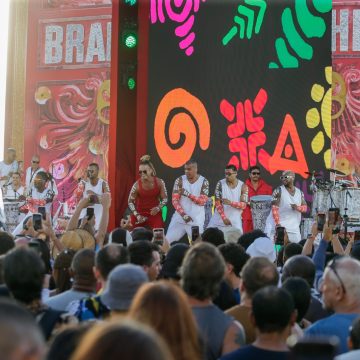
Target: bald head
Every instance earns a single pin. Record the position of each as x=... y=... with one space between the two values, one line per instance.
x=299 y=266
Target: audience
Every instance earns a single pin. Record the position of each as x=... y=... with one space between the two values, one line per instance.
x=213 y=236
x=273 y=315
x=257 y=273
x=353 y=342
x=61 y=270
x=6 y=242
x=164 y=307
x=201 y=272
x=171 y=265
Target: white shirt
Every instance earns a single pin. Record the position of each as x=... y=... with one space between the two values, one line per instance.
x=12 y=194
x=6 y=169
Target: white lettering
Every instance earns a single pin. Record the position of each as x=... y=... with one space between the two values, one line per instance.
x=54 y=36
x=74 y=39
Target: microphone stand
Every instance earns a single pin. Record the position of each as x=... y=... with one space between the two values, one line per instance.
x=345 y=213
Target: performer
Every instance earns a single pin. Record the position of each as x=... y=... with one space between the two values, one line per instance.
x=230 y=199
x=14 y=190
x=8 y=166
x=93 y=187
x=31 y=172
x=287 y=205
x=189 y=197
x=256 y=186
x=147 y=197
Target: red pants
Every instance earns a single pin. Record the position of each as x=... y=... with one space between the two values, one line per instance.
x=152 y=222
x=247 y=225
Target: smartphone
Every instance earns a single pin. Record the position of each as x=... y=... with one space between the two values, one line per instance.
x=37 y=221
x=280 y=235
x=321 y=218
x=89 y=212
x=195 y=233
x=333 y=216
x=158 y=236
x=93 y=199
x=357 y=236
x=42 y=211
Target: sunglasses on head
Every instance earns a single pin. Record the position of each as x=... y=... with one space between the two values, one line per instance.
x=332 y=266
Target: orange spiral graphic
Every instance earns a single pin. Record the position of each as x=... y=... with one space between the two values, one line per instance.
x=181 y=123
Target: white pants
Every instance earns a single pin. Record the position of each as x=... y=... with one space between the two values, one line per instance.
x=177 y=230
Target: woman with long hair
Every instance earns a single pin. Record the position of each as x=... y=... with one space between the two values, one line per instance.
x=164 y=307
x=147 y=197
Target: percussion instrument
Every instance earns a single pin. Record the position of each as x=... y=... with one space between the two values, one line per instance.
x=11 y=210
x=305 y=227
x=350 y=199
x=325 y=199
x=260 y=209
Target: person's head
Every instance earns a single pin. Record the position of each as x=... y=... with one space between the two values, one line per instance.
x=247 y=239
x=300 y=292
x=24 y=274
x=213 y=236
x=82 y=267
x=21 y=338
x=78 y=239
x=191 y=169
x=202 y=271
x=40 y=180
x=61 y=270
x=300 y=266
x=16 y=179
x=354 y=336
x=254 y=173
x=341 y=286
x=287 y=177
x=6 y=242
x=108 y=258
x=142 y=233
x=10 y=155
x=131 y=340
x=146 y=254
x=146 y=168
x=291 y=250
x=43 y=250
x=67 y=341
x=92 y=171
x=120 y=236
x=230 y=173
x=257 y=273
x=232 y=234
x=123 y=283
x=262 y=247
x=273 y=310
x=155 y=304
x=235 y=258
x=355 y=252
x=35 y=162
x=173 y=260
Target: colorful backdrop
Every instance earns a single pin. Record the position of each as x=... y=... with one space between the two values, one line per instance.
x=252 y=86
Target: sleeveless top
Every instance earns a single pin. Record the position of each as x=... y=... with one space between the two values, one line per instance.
x=196 y=212
x=147 y=199
x=289 y=218
x=97 y=189
x=233 y=214
x=213 y=325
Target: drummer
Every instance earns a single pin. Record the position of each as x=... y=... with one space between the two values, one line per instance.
x=14 y=191
x=256 y=186
x=230 y=199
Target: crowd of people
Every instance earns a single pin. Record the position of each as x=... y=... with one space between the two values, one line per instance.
x=215 y=290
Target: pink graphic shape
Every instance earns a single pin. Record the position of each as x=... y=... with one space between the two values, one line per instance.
x=245 y=132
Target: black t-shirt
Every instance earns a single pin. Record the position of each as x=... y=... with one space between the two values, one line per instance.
x=252 y=352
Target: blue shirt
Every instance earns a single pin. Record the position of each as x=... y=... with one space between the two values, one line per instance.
x=254 y=353
x=336 y=325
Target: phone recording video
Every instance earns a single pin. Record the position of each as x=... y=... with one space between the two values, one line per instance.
x=37 y=221
x=195 y=233
x=321 y=218
x=158 y=236
x=280 y=235
x=89 y=212
x=42 y=211
x=333 y=216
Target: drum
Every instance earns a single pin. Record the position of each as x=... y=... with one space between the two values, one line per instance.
x=11 y=210
x=305 y=227
x=260 y=209
x=325 y=199
x=350 y=198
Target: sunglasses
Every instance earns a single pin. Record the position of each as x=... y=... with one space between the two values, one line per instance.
x=35 y=162
x=332 y=266
x=142 y=172
x=255 y=173
x=285 y=177
x=227 y=173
